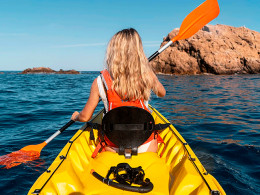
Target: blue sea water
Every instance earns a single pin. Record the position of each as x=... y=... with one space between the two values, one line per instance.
x=219 y=116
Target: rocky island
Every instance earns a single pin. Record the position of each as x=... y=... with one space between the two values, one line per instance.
x=44 y=70
x=215 y=49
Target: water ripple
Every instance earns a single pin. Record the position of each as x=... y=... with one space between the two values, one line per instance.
x=218 y=116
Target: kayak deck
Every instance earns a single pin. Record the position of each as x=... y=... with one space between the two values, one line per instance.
x=179 y=171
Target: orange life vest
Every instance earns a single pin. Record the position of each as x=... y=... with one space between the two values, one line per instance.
x=115 y=101
x=113 y=98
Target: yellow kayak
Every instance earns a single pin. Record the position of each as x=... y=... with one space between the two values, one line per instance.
x=177 y=172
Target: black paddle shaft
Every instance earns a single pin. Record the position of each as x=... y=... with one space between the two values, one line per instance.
x=153 y=56
x=66 y=126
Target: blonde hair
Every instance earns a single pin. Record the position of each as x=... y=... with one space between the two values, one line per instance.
x=128 y=66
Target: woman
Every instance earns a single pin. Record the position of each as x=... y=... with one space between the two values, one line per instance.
x=130 y=76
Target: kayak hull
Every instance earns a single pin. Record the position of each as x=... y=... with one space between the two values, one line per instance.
x=179 y=171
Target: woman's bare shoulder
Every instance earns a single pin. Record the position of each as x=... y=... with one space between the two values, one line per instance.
x=94 y=86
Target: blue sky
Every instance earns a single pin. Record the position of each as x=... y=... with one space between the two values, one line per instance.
x=72 y=34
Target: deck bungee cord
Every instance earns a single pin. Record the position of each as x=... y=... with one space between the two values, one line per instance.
x=62 y=158
x=192 y=159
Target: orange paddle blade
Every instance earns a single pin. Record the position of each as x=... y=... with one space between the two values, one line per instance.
x=29 y=153
x=36 y=148
x=26 y=154
x=198 y=18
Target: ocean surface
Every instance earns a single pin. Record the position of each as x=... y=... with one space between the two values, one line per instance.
x=219 y=116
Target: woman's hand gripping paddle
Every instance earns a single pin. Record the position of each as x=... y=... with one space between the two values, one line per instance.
x=29 y=153
x=198 y=18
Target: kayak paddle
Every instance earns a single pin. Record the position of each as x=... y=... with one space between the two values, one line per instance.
x=198 y=18
x=29 y=153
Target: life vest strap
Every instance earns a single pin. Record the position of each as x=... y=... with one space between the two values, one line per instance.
x=106 y=78
x=99 y=148
x=160 y=126
x=94 y=126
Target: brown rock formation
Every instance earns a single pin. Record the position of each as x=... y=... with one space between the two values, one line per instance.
x=44 y=70
x=67 y=72
x=216 y=49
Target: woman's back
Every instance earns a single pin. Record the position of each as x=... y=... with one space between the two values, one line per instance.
x=128 y=66
x=132 y=78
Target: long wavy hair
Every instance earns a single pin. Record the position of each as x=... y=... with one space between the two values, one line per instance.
x=128 y=66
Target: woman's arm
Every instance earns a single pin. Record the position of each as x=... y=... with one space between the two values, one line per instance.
x=158 y=88
x=87 y=112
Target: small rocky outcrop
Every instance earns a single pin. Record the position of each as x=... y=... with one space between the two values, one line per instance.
x=44 y=70
x=67 y=72
x=215 y=49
